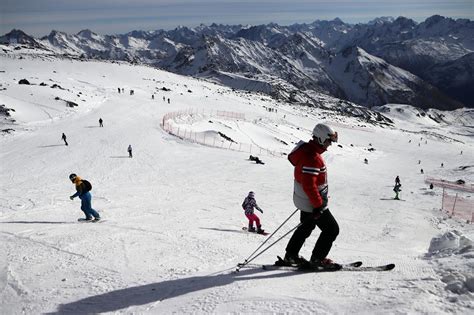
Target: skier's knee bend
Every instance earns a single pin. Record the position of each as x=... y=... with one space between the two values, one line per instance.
x=332 y=231
x=305 y=232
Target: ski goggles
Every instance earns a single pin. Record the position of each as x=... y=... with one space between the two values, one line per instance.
x=333 y=137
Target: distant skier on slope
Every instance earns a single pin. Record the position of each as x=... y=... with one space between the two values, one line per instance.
x=256 y=159
x=397 y=189
x=83 y=188
x=310 y=196
x=64 y=139
x=129 y=149
x=248 y=205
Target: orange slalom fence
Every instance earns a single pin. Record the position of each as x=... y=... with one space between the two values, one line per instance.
x=169 y=124
x=458 y=206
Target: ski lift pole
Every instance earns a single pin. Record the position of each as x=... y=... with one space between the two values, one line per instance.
x=246 y=260
x=239 y=266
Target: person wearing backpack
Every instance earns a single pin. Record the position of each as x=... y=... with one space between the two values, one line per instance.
x=83 y=188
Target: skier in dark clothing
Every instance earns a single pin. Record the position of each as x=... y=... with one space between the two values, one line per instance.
x=101 y=122
x=129 y=149
x=86 y=198
x=64 y=139
x=310 y=196
x=397 y=190
x=256 y=159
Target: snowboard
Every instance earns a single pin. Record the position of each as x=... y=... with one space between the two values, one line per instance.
x=247 y=230
x=82 y=220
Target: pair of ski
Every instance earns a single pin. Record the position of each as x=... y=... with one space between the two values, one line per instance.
x=354 y=266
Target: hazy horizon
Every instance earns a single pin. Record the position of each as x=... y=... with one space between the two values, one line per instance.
x=39 y=18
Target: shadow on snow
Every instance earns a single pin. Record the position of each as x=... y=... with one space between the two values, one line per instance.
x=223 y=230
x=52 y=145
x=37 y=222
x=154 y=292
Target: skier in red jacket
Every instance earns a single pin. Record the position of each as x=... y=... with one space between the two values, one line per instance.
x=310 y=196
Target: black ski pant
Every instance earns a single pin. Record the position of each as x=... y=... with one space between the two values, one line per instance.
x=329 y=231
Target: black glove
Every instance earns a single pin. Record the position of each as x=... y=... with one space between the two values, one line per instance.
x=318 y=211
x=260 y=210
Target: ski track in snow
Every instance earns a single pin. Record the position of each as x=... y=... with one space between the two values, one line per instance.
x=172 y=236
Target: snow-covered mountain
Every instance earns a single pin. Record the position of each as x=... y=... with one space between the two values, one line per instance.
x=19 y=37
x=455 y=78
x=293 y=62
x=371 y=80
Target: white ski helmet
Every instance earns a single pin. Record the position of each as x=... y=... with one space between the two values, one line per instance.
x=323 y=132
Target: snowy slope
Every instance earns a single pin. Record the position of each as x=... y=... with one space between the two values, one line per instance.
x=172 y=218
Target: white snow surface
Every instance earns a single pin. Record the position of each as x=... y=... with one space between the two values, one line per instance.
x=171 y=232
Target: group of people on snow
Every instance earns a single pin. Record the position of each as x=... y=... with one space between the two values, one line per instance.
x=83 y=187
x=310 y=196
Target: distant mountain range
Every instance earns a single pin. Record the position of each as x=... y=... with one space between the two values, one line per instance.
x=428 y=64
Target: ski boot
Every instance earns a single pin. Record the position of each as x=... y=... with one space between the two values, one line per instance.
x=251 y=228
x=321 y=264
x=291 y=260
x=259 y=229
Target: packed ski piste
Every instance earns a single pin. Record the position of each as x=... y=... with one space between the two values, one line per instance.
x=176 y=227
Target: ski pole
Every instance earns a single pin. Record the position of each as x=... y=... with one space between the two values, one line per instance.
x=246 y=260
x=239 y=266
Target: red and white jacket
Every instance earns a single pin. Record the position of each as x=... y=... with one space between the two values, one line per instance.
x=310 y=184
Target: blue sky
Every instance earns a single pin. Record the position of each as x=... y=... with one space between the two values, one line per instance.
x=39 y=17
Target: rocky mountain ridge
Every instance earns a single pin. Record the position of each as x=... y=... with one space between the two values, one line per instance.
x=384 y=61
